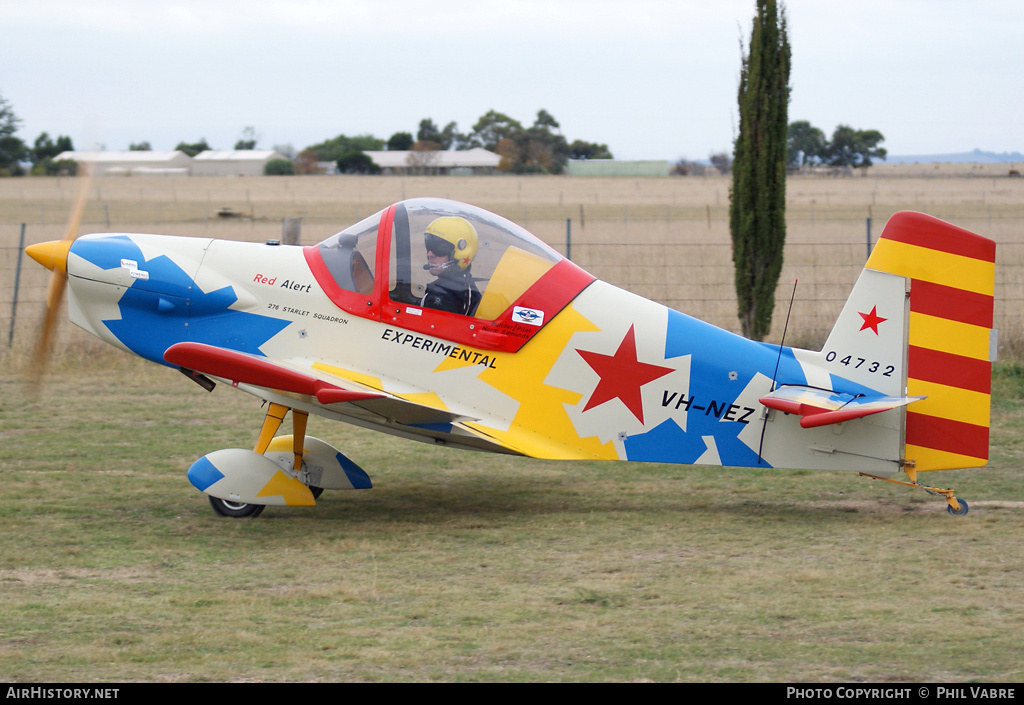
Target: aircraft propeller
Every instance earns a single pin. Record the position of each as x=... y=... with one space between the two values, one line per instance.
x=54 y=256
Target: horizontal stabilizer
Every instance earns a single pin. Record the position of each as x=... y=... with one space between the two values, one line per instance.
x=821 y=407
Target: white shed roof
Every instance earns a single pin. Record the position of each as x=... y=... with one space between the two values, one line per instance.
x=238 y=155
x=475 y=157
x=127 y=156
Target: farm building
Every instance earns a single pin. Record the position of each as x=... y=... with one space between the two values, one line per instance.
x=133 y=163
x=616 y=167
x=233 y=162
x=455 y=162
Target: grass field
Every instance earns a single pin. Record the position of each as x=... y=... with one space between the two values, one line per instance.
x=468 y=567
x=460 y=566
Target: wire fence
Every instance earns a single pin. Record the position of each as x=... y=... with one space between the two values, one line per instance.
x=682 y=261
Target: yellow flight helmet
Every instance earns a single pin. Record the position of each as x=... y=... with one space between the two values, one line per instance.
x=455 y=237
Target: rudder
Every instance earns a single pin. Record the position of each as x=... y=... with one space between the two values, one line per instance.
x=950 y=342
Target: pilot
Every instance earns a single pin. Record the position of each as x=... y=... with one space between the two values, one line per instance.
x=451 y=246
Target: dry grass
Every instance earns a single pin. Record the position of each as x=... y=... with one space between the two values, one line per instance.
x=464 y=567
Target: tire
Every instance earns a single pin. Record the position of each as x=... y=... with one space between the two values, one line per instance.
x=235 y=510
x=963 y=508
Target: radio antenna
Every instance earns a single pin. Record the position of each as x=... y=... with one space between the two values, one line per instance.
x=775 y=374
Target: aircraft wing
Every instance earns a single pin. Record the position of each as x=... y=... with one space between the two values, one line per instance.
x=820 y=407
x=244 y=368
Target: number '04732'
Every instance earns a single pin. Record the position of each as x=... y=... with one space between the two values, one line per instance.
x=860 y=363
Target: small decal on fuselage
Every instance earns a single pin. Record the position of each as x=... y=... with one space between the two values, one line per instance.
x=530 y=316
x=133 y=269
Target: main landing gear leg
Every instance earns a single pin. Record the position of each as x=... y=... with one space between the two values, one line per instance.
x=299 y=419
x=956 y=507
x=272 y=422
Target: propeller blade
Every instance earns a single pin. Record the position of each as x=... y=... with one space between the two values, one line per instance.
x=54 y=256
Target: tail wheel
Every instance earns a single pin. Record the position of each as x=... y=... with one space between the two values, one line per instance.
x=235 y=510
x=958 y=513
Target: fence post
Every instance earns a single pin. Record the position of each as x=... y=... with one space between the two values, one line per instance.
x=568 y=239
x=291 y=231
x=17 y=281
x=869 y=236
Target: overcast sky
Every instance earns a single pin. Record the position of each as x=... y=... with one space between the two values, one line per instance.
x=653 y=79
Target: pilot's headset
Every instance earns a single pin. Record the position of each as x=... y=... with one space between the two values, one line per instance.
x=453 y=237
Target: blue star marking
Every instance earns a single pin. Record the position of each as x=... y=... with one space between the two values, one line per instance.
x=168 y=308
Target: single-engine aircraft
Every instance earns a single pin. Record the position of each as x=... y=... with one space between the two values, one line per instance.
x=440 y=322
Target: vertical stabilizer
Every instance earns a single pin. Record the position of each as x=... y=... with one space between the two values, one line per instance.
x=951 y=275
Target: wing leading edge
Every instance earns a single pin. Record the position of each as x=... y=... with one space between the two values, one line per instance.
x=244 y=368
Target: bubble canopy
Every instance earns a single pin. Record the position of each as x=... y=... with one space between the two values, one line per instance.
x=494 y=285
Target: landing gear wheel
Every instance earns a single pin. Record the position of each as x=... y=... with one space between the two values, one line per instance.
x=235 y=510
x=963 y=508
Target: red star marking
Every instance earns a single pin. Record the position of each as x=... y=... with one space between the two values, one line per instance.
x=622 y=375
x=871 y=320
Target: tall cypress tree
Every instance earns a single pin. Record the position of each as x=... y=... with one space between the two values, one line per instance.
x=757 y=209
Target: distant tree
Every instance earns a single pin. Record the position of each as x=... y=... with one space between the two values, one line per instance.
x=492 y=128
x=588 y=150
x=542 y=150
x=286 y=150
x=423 y=156
x=249 y=139
x=339 y=147
x=357 y=162
x=538 y=149
x=278 y=167
x=508 y=150
x=855 y=148
x=721 y=161
x=451 y=138
x=12 y=150
x=194 y=148
x=428 y=132
x=57 y=167
x=757 y=209
x=43 y=153
x=425 y=146
x=400 y=142
x=45 y=148
x=682 y=167
x=806 y=144
x=546 y=119
x=306 y=162
x=140 y=147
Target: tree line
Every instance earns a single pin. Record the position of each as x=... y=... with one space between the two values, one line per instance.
x=540 y=148
x=14 y=152
x=808 y=146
